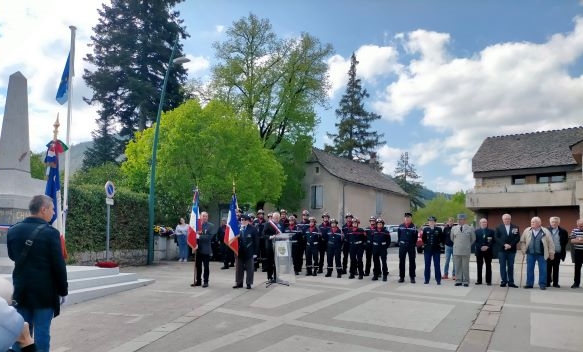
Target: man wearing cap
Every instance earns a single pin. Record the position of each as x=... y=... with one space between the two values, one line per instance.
x=248 y=246
x=484 y=243
x=312 y=237
x=507 y=237
x=407 y=235
x=368 y=244
x=284 y=221
x=345 y=245
x=259 y=222
x=432 y=240
x=334 y=248
x=356 y=239
x=463 y=236
x=323 y=245
x=296 y=240
x=380 y=241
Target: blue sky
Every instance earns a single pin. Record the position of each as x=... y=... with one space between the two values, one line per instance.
x=443 y=75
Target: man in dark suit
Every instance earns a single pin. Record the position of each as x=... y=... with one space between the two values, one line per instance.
x=483 y=245
x=507 y=236
x=203 y=253
x=39 y=276
x=248 y=248
x=560 y=239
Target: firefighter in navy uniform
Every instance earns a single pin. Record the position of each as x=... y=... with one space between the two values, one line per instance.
x=296 y=239
x=432 y=241
x=334 y=238
x=323 y=245
x=345 y=244
x=356 y=239
x=368 y=245
x=381 y=240
x=407 y=234
x=312 y=236
x=259 y=222
x=283 y=221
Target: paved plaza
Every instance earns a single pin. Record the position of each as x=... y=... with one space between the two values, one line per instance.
x=323 y=314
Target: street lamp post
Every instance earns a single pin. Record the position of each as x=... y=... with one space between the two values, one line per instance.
x=151 y=196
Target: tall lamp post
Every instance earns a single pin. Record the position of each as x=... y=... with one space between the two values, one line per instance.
x=151 y=196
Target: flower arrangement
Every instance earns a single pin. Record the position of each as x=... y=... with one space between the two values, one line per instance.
x=107 y=264
x=163 y=231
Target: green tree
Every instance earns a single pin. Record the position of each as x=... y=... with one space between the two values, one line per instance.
x=38 y=168
x=99 y=175
x=275 y=83
x=407 y=178
x=355 y=139
x=443 y=208
x=207 y=147
x=132 y=44
x=105 y=149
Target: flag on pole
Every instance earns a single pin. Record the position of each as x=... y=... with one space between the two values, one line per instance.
x=62 y=92
x=233 y=229
x=53 y=187
x=194 y=225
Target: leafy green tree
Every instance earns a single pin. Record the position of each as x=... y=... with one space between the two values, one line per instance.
x=132 y=44
x=355 y=139
x=406 y=177
x=207 y=147
x=443 y=208
x=99 y=175
x=38 y=168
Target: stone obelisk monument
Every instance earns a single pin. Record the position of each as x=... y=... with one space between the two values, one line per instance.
x=16 y=185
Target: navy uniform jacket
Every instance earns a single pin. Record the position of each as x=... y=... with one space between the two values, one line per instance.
x=432 y=238
x=334 y=237
x=296 y=234
x=407 y=235
x=502 y=237
x=380 y=238
x=484 y=237
x=248 y=242
x=42 y=277
x=356 y=236
x=312 y=236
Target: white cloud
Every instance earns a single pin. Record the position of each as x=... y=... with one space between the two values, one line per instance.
x=389 y=156
x=197 y=65
x=219 y=28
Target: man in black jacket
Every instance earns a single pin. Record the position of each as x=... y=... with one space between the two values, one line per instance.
x=507 y=237
x=560 y=239
x=39 y=276
x=483 y=245
x=248 y=247
x=203 y=253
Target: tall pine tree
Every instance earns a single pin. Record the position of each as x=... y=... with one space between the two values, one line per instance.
x=132 y=44
x=407 y=178
x=355 y=139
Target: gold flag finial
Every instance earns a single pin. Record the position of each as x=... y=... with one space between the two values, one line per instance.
x=56 y=126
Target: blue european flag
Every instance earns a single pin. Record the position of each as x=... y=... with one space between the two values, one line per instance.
x=64 y=85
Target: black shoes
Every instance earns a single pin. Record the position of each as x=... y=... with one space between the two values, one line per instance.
x=238 y=286
x=466 y=285
x=412 y=280
x=557 y=286
x=224 y=267
x=543 y=287
x=401 y=280
x=512 y=285
x=528 y=286
x=375 y=278
x=385 y=277
x=426 y=282
x=351 y=276
x=479 y=283
x=502 y=284
x=206 y=284
x=339 y=275
x=248 y=287
x=489 y=283
x=574 y=286
x=360 y=277
x=197 y=283
x=458 y=283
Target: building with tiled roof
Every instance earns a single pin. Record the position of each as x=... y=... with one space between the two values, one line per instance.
x=338 y=186
x=530 y=174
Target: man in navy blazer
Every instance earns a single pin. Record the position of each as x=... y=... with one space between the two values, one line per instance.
x=507 y=236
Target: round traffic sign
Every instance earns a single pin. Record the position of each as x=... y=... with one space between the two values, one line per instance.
x=109 y=189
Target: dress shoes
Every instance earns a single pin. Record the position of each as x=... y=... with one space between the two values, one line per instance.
x=197 y=283
x=557 y=286
x=458 y=283
x=401 y=280
x=238 y=286
x=224 y=267
x=489 y=283
x=512 y=285
x=466 y=285
x=502 y=284
x=528 y=286
x=543 y=287
x=574 y=286
x=248 y=287
x=479 y=283
x=206 y=284
x=412 y=280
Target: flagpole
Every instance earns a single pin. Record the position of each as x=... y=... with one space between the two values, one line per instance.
x=68 y=138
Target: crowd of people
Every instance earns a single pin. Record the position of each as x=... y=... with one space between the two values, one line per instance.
x=359 y=250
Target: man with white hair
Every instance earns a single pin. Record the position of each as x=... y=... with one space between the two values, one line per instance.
x=537 y=243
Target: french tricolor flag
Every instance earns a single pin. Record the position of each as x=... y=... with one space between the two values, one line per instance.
x=232 y=230
x=194 y=225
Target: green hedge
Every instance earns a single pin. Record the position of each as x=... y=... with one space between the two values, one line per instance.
x=87 y=220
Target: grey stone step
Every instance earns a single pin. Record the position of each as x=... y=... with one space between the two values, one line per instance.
x=81 y=295
x=96 y=281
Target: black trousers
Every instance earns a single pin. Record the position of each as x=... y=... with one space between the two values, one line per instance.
x=481 y=258
x=202 y=261
x=321 y=253
x=244 y=267
x=578 y=256
x=297 y=256
x=262 y=254
x=356 y=252
x=333 y=254
x=379 y=255
x=553 y=270
x=368 y=253
x=312 y=258
x=228 y=255
x=405 y=250
x=269 y=261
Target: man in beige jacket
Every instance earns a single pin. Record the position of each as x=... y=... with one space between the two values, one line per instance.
x=537 y=243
